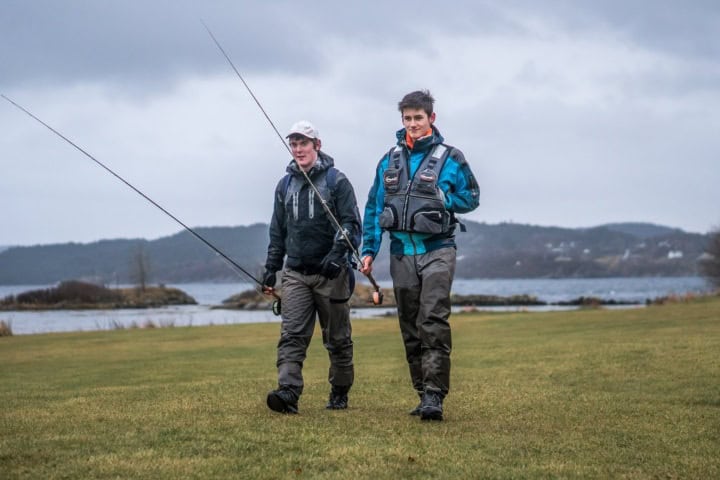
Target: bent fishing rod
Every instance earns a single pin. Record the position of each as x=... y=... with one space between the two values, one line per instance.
x=377 y=295
x=230 y=261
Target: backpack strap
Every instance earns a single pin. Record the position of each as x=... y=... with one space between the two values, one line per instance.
x=331 y=178
x=285 y=184
x=331 y=181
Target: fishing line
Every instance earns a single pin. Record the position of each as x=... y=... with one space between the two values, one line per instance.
x=377 y=295
x=229 y=260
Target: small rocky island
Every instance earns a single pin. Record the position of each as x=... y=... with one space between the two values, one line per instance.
x=76 y=295
x=362 y=298
x=255 y=300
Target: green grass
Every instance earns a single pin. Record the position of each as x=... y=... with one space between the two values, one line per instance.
x=584 y=394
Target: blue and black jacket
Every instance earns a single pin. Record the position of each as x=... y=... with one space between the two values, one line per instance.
x=456 y=181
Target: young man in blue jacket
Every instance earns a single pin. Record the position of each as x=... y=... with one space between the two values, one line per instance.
x=419 y=186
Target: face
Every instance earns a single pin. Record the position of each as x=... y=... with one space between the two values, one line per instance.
x=304 y=151
x=417 y=122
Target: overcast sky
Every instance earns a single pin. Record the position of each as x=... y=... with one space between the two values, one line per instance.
x=571 y=113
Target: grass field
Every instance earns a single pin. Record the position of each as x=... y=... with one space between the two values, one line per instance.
x=584 y=394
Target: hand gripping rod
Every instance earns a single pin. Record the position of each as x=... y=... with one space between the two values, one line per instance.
x=229 y=260
x=377 y=295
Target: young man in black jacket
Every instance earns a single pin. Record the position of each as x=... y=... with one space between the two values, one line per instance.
x=316 y=279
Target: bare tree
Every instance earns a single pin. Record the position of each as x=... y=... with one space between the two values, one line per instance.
x=710 y=261
x=140 y=267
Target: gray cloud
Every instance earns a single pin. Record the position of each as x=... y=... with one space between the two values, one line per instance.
x=48 y=42
x=571 y=113
x=682 y=28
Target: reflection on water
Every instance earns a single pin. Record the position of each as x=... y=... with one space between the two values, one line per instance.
x=207 y=294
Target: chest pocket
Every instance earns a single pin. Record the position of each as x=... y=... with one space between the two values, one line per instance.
x=298 y=198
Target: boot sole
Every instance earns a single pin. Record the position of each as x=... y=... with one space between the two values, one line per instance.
x=277 y=404
x=431 y=414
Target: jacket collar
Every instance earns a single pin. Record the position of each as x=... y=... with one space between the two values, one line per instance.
x=422 y=144
x=324 y=161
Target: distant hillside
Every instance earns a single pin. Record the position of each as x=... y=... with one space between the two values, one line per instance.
x=641 y=230
x=505 y=250
x=525 y=251
x=177 y=258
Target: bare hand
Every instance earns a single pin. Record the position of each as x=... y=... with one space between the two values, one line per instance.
x=366 y=267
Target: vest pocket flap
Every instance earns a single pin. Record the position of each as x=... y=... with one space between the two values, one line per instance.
x=430 y=221
x=426 y=182
x=388 y=218
x=391 y=180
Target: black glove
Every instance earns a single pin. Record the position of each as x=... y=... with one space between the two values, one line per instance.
x=269 y=279
x=331 y=265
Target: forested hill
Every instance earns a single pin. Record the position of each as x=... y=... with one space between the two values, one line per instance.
x=177 y=258
x=505 y=250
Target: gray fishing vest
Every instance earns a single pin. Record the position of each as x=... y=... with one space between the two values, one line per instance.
x=415 y=205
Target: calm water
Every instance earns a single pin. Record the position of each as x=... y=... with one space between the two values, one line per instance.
x=207 y=294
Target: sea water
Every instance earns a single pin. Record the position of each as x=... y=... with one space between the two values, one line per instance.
x=212 y=294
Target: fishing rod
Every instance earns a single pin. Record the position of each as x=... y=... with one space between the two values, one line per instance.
x=377 y=297
x=230 y=261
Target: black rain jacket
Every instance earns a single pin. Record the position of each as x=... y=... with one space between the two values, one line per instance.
x=300 y=228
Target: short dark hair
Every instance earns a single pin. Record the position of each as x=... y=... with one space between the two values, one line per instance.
x=418 y=99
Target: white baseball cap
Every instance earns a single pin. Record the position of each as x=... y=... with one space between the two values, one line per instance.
x=304 y=128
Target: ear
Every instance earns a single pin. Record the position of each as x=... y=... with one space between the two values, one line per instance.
x=432 y=118
x=318 y=144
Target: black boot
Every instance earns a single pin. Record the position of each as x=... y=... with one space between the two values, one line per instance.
x=431 y=407
x=415 y=412
x=283 y=400
x=338 y=398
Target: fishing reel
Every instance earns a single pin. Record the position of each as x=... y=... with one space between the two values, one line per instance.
x=276 y=307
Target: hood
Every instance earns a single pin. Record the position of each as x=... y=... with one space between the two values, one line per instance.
x=324 y=162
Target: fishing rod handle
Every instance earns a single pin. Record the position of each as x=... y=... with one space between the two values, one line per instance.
x=377 y=296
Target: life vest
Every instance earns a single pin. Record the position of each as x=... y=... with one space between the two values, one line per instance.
x=415 y=204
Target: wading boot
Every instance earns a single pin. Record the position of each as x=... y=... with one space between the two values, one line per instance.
x=283 y=400
x=431 y=406
x=415 y=412
x=338 y=398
